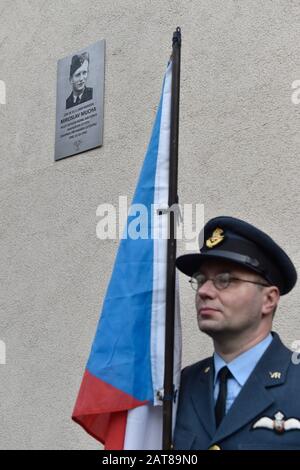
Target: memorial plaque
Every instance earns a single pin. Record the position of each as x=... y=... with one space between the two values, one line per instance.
x=79 y=101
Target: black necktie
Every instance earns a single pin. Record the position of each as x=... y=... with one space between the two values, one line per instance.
x=77 y=100
x=220 y=407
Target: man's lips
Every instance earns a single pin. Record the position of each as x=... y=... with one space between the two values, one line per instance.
x=205 y=311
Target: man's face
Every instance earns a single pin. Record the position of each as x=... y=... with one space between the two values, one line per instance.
x=79 y=78
x=233 y=310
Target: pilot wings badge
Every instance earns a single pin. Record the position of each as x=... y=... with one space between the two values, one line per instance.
x=278 y=424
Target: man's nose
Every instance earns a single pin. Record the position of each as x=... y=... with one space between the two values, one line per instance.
x=207 y=289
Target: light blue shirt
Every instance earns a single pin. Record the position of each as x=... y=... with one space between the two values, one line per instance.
x=240 y=368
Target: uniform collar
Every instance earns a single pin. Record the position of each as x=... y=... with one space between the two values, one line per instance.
x=78 y=96
x=242 y=365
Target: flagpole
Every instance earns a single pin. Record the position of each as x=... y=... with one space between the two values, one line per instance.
x=171 y=250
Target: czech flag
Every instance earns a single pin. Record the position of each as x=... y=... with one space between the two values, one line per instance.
x=119 y=401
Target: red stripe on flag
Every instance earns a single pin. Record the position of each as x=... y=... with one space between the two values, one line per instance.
x=101 y=410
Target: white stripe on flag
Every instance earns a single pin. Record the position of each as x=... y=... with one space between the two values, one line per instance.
x=144 y=428
x=160 y=233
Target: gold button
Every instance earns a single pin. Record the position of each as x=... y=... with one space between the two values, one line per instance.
x=214 y=447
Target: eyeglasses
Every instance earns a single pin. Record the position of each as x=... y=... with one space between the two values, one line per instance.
x=220 y=281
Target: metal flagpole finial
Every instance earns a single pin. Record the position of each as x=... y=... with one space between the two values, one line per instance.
x=177 y=36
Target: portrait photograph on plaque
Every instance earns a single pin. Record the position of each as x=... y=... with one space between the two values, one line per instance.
x=79 y=101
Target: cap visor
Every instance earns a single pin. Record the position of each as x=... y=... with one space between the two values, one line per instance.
x=190 y=264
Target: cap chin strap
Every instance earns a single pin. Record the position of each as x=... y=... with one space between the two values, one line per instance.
x=235 y=257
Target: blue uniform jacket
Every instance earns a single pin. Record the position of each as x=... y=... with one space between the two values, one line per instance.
x=272 y=389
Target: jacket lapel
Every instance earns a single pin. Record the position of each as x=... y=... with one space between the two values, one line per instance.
x=254 y=397
x=202 y=395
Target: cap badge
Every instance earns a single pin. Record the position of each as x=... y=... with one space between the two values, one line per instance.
x=216 y=237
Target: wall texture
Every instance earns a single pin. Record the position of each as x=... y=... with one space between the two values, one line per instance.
x=239 y=155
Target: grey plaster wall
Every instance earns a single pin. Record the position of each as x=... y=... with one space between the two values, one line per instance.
x=239 y=155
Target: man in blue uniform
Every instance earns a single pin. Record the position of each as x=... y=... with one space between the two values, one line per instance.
x=247 y=395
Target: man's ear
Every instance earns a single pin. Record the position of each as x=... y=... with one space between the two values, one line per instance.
x=271 y=296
